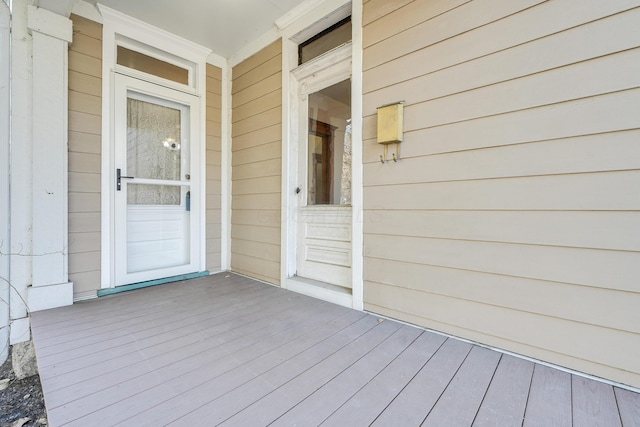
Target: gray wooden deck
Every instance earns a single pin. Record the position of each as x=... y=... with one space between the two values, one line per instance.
x=229 y=350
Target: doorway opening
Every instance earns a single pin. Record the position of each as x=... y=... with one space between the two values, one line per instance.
x=321 y=227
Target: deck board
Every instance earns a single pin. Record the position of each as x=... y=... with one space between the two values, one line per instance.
x=459 y=404
x=232 y=403
x=122 y=324
x=162 y=330
x=593 y=403
x=229 y=350
x=79 y=367
x=549 y=401
x=117 y=320
x=200 y=396
x=185 y=372
x=629 y=406
x=197 y=374
x=112 y=372
x=416 y=400
x=269 y=408
x=506 y=398
x=318 y=406
x=365 y=406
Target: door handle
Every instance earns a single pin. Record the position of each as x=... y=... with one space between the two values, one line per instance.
x=119 y=178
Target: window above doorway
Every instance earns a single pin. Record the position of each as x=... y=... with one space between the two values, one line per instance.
x=150 y=65
x=332 y=37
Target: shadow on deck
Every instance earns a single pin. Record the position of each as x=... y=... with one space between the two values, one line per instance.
x=229 y=350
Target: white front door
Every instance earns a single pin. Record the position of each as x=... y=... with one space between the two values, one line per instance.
x=155 y=198
x=324 y=252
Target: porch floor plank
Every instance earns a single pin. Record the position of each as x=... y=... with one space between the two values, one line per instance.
x=593 y=402
x=549 y=398
x=232 y=403
x=228 y=350
x=177 y=354
x=86 y=340
x=318 y=406
x=629 y=405
x=230 y=380
x=412 y=405
x=276 y=403
x=207 y=323
x=186 y=371
x=506 y=398
x=369 y=402
x=459 y=404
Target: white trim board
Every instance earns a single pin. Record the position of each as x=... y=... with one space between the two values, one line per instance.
x=320 y=290
x=135 y=29
x=357 y=209
x=226 y=171
x=5 y=123
x=86 y=10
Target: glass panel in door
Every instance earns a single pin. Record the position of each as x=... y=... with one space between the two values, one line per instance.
x=157 y=223
x=329 y=146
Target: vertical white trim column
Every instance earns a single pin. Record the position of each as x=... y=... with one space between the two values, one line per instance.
x=226 y=179
x=20 y=190
x=290 y=200
x=5 y=72
x=357 y=237
x=51 y=34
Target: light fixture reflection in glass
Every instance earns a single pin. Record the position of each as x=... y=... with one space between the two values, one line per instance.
x=171 y=144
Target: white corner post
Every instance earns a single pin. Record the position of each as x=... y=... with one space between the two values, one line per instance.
x=5 y=72
x=51 y=35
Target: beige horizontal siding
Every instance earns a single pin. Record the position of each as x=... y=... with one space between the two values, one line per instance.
x=260 y=152
x=512 y=217
x=544 y=228
x=256 y=164
x=256 y=61
x=261 y=88
x=258 y=137
x=85 y=128
x=213 y=168
x=378 y=8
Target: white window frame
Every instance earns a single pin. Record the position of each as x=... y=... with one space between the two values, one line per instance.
x=123 y=30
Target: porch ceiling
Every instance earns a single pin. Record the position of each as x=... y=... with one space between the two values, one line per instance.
x=224 y=26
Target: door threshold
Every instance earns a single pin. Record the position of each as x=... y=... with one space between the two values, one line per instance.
x=321 y=290
x=140 y=285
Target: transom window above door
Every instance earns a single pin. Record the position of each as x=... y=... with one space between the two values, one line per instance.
x=332 y=37
x=154 y=65
x=150 y=65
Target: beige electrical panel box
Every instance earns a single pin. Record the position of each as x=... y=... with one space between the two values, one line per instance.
x=390 y=123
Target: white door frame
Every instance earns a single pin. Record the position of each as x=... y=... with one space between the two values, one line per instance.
x=120 y=29
x=295 y=33
x=185 y=102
